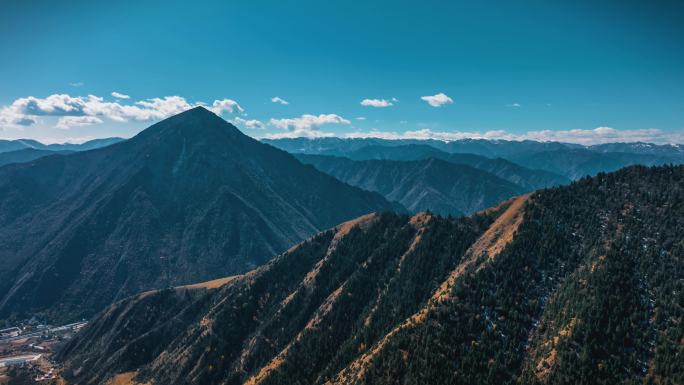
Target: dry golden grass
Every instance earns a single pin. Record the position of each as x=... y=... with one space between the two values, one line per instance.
x=122 y=379
x=340 y=232
x=498 y=208
x=545 y=364
x=267 y=369
x=344 y=228
x=213 y=284
x=501 y=232
x=490 y=244
x=420 y=219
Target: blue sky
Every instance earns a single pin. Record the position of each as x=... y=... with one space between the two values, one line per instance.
x=583 y=71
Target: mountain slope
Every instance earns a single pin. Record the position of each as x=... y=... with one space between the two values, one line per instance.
x=27 y=155
x=669 y=150
x=527 y=178
x=580 y=284
x=577 y=163
x=423 y=185
x=19 y=144
x=188 y=199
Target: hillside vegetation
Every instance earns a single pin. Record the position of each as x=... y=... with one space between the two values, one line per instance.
x=573 y=285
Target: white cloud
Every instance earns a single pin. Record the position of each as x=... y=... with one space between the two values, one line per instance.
x=608 y=135
x=251 y=123
x=26 y=111
x=360 y=118
x=225 y=105
x=378 y=103
x=307 y=121
x=306 y=125
x=515 y=105
x=10 y=117
x=579 y=136
x=74 y=140
x=66 y=122
x=437 y=100
x=278 y=100
x=299 y=133
x=427 y=133
x=77 y=84
x=120 y=95
x=53 y=105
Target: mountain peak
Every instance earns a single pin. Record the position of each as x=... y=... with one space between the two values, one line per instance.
x=199 y=111
x=195 y=122
x=189 y=199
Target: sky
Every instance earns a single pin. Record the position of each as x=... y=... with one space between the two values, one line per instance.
x=576 y=71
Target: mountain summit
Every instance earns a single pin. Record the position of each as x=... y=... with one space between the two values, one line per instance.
x=188 y=199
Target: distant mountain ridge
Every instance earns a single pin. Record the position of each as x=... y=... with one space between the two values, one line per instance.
x=27 y=155
x=483 y=147
x=573 y=285
x=527 y=178
x=22 y=144
x=552 y=157
x=578 y=162
x=421 y=185
x=538 y=156
x=188 y=199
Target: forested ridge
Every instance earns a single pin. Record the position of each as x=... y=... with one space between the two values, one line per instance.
x=589 y=292
x=574 y=285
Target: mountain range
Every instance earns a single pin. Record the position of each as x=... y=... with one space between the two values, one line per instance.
x=422 y=185
x=579 y=162
x=530 y=165
x=561 y=161
x=193 y=250
x=527 y=178
x=572 y=161
x=188 y=199
x=580 y=284
x=484 y=147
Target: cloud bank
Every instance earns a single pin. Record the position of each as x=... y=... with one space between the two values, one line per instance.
x=597 y=135
x=93 y=109
x=249 y=123
x=66 y=122
x=66 y=111
x=305 y=126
